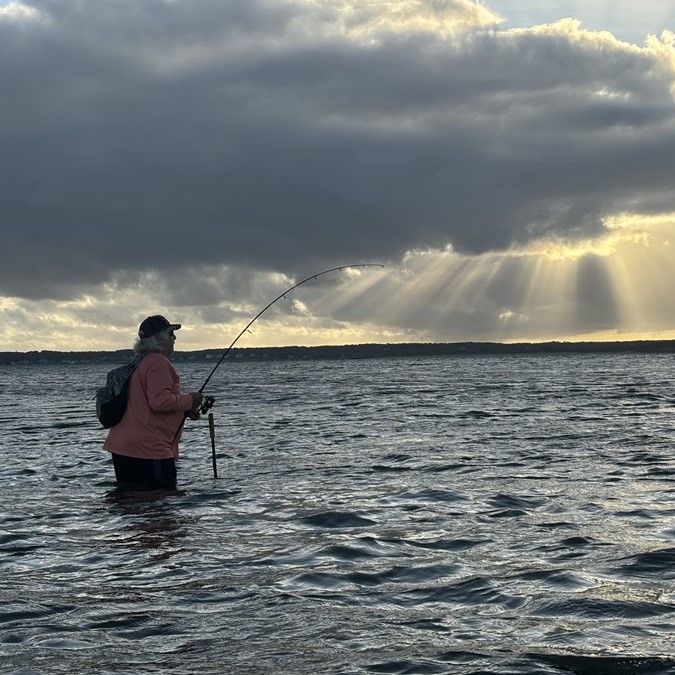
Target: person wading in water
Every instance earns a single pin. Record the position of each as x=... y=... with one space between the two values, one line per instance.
x=144 y=444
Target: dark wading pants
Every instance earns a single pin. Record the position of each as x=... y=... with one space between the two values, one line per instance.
x=145 y=474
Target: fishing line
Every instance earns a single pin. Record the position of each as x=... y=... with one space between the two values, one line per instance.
x=283 y=295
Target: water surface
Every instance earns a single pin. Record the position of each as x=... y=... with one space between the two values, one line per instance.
x=496 y=514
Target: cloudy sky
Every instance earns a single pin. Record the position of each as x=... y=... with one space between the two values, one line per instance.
x=511 y=164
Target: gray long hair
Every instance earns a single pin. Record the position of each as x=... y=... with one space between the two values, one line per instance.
x=148 y=344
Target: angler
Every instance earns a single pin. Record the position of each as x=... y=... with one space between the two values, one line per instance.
x=143 y=444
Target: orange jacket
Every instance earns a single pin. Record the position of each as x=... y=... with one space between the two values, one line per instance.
x=155 y=411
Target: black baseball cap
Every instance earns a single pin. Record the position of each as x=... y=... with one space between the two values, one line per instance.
x=155 y=324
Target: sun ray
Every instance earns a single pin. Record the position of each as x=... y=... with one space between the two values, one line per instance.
x=642 y=272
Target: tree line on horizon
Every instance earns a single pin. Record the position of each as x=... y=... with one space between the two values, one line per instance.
x=360 y=351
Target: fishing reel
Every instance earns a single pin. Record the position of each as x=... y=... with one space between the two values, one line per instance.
x=206 y=404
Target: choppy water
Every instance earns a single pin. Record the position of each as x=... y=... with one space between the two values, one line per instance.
x=440 y=515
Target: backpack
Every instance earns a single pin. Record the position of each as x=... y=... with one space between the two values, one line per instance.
x=111 y=400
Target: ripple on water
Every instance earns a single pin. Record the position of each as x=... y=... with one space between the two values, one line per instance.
x=337 y=519
x=474 y=591
x=607 y=665
x=388 y=578
x=594 y=608
x=459 y=544
x=558 y=579
x=660 y=563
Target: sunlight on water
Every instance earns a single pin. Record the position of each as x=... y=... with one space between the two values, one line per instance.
x=440 y=515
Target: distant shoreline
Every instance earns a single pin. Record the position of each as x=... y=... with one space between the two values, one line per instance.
x=362 y=351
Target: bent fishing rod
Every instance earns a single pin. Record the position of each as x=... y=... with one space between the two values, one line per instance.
x=208 y=401
x=264 y=309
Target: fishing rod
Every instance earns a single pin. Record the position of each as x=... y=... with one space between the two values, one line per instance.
x=208 y=401
x=283 y=295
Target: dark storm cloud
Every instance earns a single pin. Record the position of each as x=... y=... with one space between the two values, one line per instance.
x=157 y=135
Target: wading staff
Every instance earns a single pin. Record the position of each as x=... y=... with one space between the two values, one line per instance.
x=212 y=433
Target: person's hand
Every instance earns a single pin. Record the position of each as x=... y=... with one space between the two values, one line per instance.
x=193 y=413
x=196 y=400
